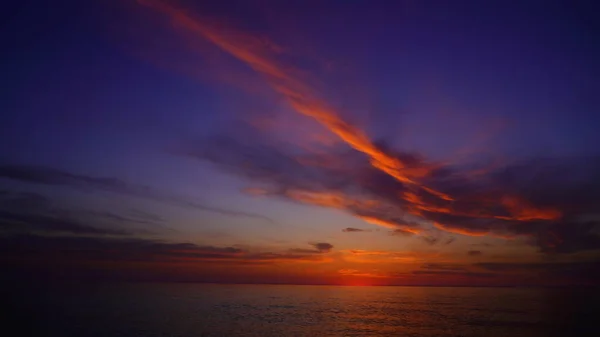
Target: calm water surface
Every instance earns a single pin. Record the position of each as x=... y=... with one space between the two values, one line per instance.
x=188 y=310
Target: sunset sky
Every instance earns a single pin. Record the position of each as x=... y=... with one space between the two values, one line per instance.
x=313 y=142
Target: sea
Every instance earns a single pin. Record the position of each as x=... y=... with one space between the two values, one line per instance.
x=188 y=310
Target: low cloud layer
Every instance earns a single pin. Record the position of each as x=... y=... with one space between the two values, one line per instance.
x=354 y=230
x=533 y=199
x=474 y=253
x=67 y=249
x=323 y=247
x=31 y=212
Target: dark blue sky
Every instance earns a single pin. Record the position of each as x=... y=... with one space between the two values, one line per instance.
x=70 y=84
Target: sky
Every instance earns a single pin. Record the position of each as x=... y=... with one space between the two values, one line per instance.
x=307 y=142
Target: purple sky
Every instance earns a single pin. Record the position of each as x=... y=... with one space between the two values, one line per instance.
x=125 y=117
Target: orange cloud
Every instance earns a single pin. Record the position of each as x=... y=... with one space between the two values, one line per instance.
x=341 y=201
x=320 y=198
x=522 y=210
x=383 y=257
x=460 y=230
x=417 y=186
x=261 y=56
x=368 y=252
x=354 y=272
x=390 y=224
x=475 y=231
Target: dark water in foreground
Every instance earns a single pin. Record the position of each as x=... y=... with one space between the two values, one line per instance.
x=268 y=310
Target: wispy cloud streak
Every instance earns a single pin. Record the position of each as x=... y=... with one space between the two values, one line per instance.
x=300 y=95
x=388 y=188
x=49 y=176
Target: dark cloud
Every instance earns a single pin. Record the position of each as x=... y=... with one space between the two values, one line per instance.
x=68 y=249
x=449 y=240
x=482 y=244
x=401 y=232
x=323 y=247
x=465 y=274
x=337 y=184
x=263 y=258
x=35 y=230
x=443 y=266
x=568 y=237
x=305 y=251
x=30 y=212
x=121 y=218
x=431 y=240
x=61 y=249
x=55 y=177
x=474 y=253
x=15 y=222
x=319 y=248
x=554 y=203
x=563 y=272
x=354 y=230
x=569 y=270
x=437 y=239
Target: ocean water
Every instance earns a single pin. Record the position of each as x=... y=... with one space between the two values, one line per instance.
x=188 y=310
